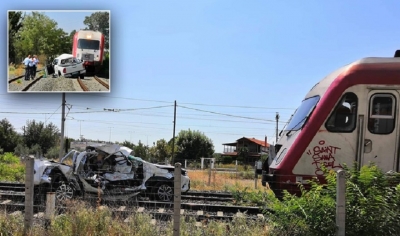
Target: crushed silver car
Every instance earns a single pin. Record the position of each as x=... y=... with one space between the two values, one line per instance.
x=109 y=170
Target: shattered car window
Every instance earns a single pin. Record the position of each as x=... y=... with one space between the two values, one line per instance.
x=69 y=60
x=136 y=161
x=70 y=158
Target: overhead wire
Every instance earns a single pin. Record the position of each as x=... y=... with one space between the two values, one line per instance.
x=224 y=114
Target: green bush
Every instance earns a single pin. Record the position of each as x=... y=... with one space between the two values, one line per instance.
x=106 y=64
x=371 y=206
x=227 y=159
x=250 y=197
x=11 y=168
x=53 y=153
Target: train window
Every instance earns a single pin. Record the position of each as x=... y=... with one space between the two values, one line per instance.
x=344 y=116
x=88 y=44
x=382 y=110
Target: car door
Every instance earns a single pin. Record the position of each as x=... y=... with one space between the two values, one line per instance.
x=55 y=65
x=381 y=129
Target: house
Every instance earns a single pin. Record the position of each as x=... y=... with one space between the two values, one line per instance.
x=253 y=149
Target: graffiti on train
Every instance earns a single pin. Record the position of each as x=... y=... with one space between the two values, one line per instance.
x=324 y=155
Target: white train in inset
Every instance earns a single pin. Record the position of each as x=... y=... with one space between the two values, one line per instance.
x=88 y=46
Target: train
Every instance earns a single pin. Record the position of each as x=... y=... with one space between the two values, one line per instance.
x=88 y=46
x=350 y=116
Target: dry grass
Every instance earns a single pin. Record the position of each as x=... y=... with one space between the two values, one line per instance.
x=16 y=70
x=220 y=181
x=82 y=219
x=19 y=69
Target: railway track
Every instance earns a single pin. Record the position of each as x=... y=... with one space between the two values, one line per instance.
x=27 y=87
x=12 y=197
x=85 y=88
x=16 y=189
x=159 y=210
x=20 y=77
x=102 y=82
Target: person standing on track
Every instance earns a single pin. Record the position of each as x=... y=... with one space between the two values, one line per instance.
x=26 y=62
x=31 y=67
x=34 y=68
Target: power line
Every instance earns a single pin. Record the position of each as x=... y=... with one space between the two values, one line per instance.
x=195 y=104
x=223 y=114
x=133 y=99
x=52 y=114
x=250 y=107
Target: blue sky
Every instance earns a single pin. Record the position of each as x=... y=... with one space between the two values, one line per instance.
x=69 y=20
x=225 y=55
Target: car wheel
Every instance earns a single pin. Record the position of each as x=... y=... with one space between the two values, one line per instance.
x=82 y=76
x=63 y=190
x=164 y=192
x=59 y=74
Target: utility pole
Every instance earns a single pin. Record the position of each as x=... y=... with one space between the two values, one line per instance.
x=109 y=139
x=62 y=127
x=173 y=135
x=277 y=133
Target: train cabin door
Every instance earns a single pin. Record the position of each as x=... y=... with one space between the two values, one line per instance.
x=381 y=129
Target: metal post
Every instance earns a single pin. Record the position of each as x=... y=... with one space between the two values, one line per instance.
x=255 y=175
x=341 y=202
x=209 y=173
x=177 y=198
x=277 y=133
x=29 y=194
x=185 y=163
x=50 y=207
x=173 y=135
x=237 y=169
x=62 y=127
x=202 y=163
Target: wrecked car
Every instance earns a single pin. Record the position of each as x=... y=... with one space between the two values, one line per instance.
x=108 y=170
x=68 y=66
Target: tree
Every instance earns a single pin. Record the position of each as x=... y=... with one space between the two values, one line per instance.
x=193 y=145
x=99 y=21
x=71 y=35
x=9 y=138
x=39 y=35
x=14 y=24
x=46 y=136
x=141 y=150
x=160 y=150
x=243 y=154
x=128 y=144
x=21 y=150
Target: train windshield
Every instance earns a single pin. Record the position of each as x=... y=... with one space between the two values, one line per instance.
x=89 y=44
x=302 y=113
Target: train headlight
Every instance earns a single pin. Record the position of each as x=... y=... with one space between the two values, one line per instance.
x=88 y=36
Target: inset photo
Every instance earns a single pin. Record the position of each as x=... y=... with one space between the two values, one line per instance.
x=59 y=51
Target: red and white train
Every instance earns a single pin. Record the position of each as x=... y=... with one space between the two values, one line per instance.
x=352 y=115
x=88 y=46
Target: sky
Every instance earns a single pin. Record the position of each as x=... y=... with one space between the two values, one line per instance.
x=229 y=65
x=69 y=20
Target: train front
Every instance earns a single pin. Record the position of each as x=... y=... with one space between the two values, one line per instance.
x=286 y=169
x=88 y=46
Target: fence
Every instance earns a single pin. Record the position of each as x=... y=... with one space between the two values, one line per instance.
x=178 y=202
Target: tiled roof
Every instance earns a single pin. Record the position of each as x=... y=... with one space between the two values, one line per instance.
x=257 y=141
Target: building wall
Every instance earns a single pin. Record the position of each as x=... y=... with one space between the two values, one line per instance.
x=252 y=147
